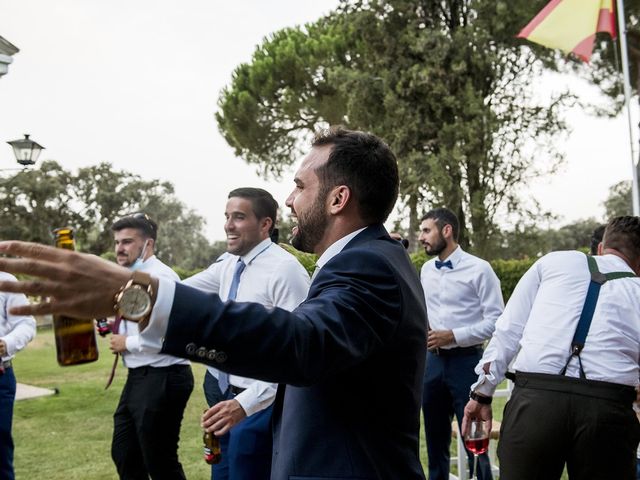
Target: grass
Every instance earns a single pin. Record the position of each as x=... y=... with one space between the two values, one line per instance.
x=68 y=436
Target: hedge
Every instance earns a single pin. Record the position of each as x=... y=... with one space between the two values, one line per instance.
x=508 y=271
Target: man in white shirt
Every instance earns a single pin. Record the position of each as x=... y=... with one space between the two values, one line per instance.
x=565 y=409
x=274 y=278
x=146 y=423
x=16 y=331
x=463 y=300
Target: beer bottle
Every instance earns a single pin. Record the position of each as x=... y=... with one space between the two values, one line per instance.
x=212 y=452
x=75 y=337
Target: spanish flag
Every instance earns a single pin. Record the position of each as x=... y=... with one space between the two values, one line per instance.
x=571 y=25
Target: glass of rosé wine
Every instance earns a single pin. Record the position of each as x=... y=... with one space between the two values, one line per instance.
x=477 y=440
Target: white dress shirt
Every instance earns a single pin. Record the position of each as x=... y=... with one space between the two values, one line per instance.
x=15 y=330
x=272 y=277
x=465 y=299
x=542 y=316
x=135 y=357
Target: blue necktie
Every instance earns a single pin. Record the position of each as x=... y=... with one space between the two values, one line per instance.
x=223 y=378
x=440 y=264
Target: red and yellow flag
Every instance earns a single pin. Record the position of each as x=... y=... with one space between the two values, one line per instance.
x=571 y=25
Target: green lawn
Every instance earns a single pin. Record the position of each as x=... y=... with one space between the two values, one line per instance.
x=68 y=436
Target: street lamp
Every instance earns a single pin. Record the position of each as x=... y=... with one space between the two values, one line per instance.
x=26 y=150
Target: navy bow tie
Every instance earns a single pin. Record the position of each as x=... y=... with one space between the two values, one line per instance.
x=440 y=264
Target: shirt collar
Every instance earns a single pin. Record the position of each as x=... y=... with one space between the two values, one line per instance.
x=455 y=256
x=622 y=265
x=255 y=251
x=335 y=248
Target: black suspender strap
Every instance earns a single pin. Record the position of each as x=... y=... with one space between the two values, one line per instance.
x=597 y=280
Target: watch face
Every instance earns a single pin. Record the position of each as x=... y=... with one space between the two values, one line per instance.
x=135 y=303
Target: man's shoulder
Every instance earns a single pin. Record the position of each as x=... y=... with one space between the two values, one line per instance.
x=476 y=262
x=278 y=254
x=154 y=266
x=371 y=255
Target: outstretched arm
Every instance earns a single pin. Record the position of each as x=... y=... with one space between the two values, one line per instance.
x=77 y=284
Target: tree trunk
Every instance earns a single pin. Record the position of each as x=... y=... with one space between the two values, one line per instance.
x=414 y=224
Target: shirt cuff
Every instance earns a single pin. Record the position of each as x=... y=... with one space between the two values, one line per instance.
x=10 y=348
x=486 y=384
x=461 y=337
x=133 y=343
x=250 y=404
x=152 y=338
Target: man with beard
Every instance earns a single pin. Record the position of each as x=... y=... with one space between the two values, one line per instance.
x=351 y=355
x=464 y=300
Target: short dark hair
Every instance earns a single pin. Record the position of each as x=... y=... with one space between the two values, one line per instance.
x=443 y=216
x=623 y=234
x=366 y=165
x=140 y=221
x=596 y=238
x=262 y=203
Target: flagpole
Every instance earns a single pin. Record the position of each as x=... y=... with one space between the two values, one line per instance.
x=622 y=29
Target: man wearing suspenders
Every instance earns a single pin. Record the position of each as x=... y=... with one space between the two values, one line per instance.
x=573 y=327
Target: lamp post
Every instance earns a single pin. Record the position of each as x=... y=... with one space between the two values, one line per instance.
x=26 y=150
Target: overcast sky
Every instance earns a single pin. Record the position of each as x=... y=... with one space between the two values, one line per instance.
x=135 y=83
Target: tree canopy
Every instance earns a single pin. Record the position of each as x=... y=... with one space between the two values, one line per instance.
x=35 y=202
x=445 y=83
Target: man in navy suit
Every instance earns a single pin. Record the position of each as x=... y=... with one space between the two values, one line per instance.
x=351 y=356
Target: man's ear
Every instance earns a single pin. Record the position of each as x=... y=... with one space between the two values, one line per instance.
x=265 y=224
x=339 y=199
x=600 y=248
x=447 y=231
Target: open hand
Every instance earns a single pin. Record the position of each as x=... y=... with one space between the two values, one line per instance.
x=76 y=284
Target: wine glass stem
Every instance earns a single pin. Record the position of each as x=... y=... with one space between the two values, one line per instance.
x=475 y=467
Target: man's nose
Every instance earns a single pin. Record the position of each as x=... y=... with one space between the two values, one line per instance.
x=289 y=201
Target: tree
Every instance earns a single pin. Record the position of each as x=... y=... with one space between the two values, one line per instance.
x=35 y=202
x=531 y=241
x=444 y=82
x=619 y=200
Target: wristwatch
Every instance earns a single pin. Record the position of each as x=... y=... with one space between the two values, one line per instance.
x=133 y=301
x=481 y=399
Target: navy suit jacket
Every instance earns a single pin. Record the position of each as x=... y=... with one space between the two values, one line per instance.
x=351 y=355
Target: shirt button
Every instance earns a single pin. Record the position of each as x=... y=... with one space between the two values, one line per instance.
x=190 y=348
x=201 y=352
x=211 y=355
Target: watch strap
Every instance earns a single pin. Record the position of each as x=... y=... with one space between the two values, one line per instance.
x=141 y=278
x=481 y=399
